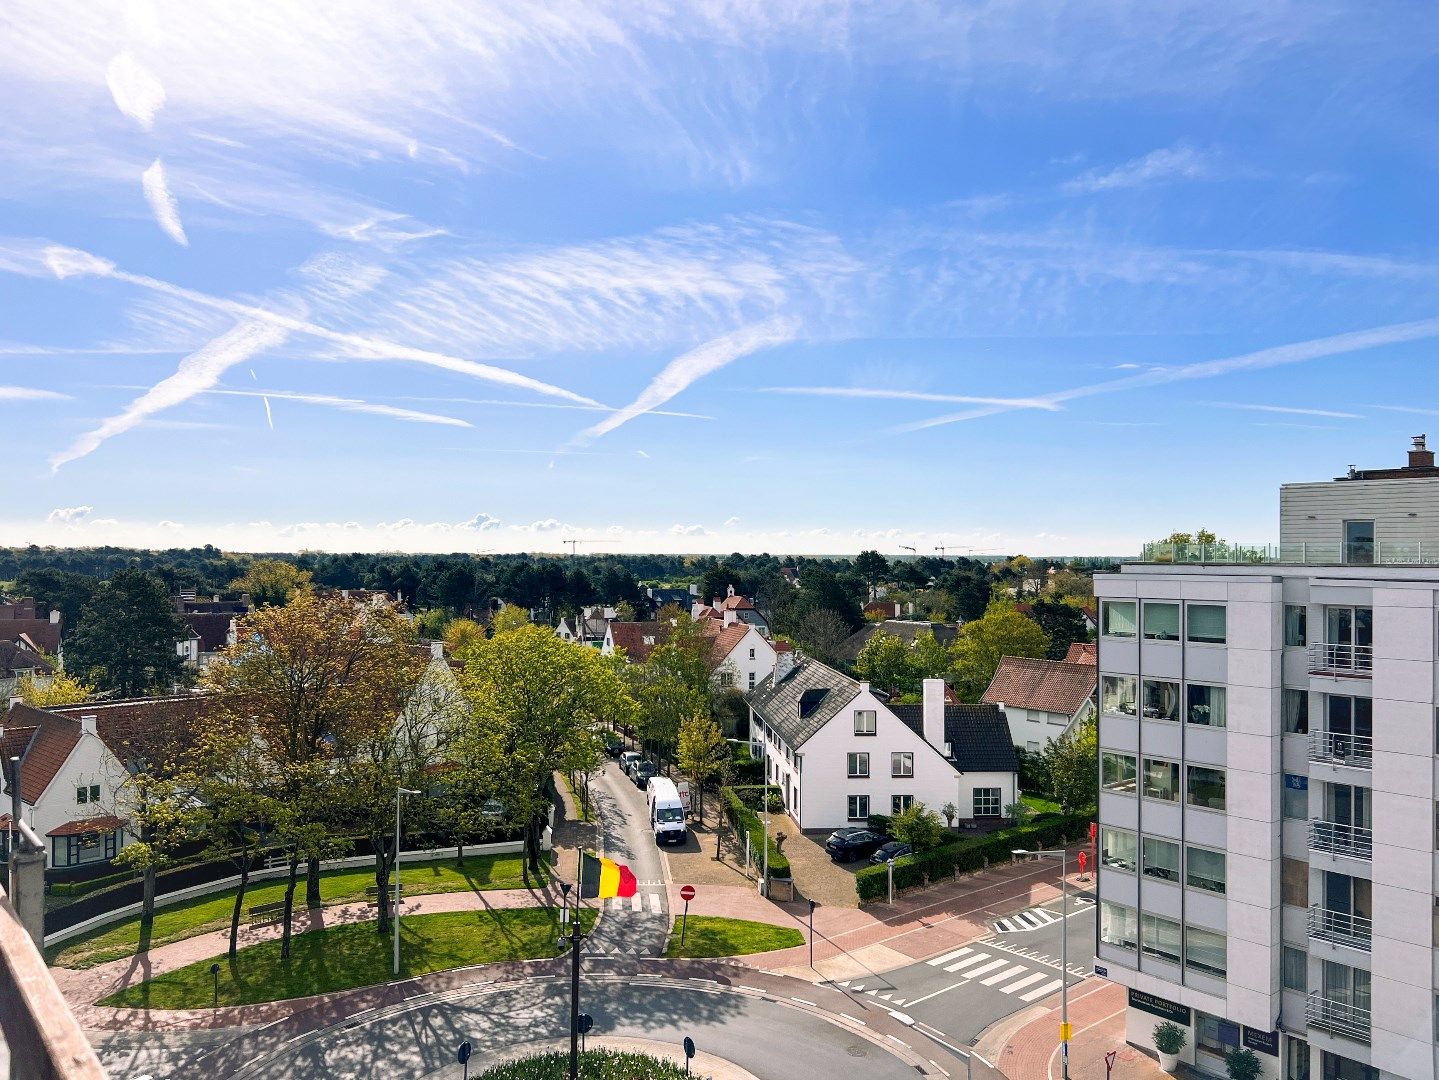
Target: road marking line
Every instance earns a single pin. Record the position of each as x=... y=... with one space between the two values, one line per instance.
x=1002 y=925
x=854 y=1020
x=1022 y=983
x=654 y=902
x=926 y=997
x=1043 y=991
x=636 y=902
x=1008 y=973
x=940 y=961
x=991 y=966
x=802 y=1001
x=975 y=959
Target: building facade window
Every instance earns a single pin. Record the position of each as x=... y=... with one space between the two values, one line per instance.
x=1296 y=1059
x=87 y=793
x=79 y=850
x=1160 y=937
x=1206 y=623
x=901 y=765
x=865 y=722
x=1117 y=772
x=1161 y=859
x=898 y=804
x=1205 y=869
x=1294 y=883
x=1206 y=787
x=1295 y=706
x=858 y=765
x=1294 y=969
x=1214 y=1034
x=1161 y=621
x=1118 y=694
x=1296 y=625
x=1296 y=797
x=1161 y=780
x=1161 y=700
x=726 y=678
x=1118 y=618
x=1204 y=950
x=859 y=808
x=1334 y=1067
x=1118 y=926
x=1205 y=705
x=751 y=680
x=1117 y=850
x=986 y=802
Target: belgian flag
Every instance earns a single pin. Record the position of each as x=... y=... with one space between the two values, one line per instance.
x=602 y=878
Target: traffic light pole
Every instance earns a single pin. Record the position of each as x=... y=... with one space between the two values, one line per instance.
x=575 y=995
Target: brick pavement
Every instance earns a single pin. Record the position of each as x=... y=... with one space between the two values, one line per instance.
x=1027 y=1047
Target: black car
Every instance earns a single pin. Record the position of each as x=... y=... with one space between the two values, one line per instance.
x=892 y=850
x=614 y=745
x=847 y=845
x=642 y=772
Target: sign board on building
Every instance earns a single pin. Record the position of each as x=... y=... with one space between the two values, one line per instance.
x=1266 y=1042
x=1102 y=972
x=1297 y=783
x=1159 y=1006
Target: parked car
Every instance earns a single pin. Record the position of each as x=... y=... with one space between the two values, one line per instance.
x=628 y=759
x=892 y=850
x=614 y=745
x=847 y=845
x=642 y=772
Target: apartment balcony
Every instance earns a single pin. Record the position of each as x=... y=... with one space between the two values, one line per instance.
x=1379 y=553
x=1340 y=928
x=1337 y=1017
x=1346 y=841
x=1338 y=748
x=1341 y=661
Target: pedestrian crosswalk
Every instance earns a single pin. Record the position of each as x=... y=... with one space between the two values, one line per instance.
x=640 y=901
x=1030 y=919
x=995 y=968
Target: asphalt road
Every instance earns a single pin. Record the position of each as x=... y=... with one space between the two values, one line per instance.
x=637 y=925
x=960 y=993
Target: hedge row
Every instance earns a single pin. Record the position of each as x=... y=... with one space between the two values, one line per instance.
x=744 y=820
x=745 y=771
x=912 y=871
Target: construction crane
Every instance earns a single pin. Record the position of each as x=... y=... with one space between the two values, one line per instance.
x=943 y=548
x=575 y=544
x=910 y=549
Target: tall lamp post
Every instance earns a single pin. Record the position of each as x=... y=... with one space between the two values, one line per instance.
x=1063 y=856
x=399 y=791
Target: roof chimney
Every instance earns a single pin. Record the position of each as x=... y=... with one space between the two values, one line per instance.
x=437 y=650
x=55 y=612
x=1420 y=456
x=933 y=713
x=784 y=663
x=87 y=725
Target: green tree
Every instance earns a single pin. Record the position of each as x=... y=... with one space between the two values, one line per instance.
x=126 y=639
x=821 y=632
x=510 y=617
x=872 y=566
x=462 y=634
x=1070 y=760
x=271 y=582
x=929 y=657
x=918 y=826
x=701 y=754
x=57 y=689
x=1002 y=631
x=1064 y=623
x=430 y=624
x=887 y=663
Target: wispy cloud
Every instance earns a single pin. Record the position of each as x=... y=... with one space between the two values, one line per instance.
x=1170 y=163
x=684 y=371
x=29 y=393
x=1285 y=409
x=163 y=203
x=910 y=395
x=138 y=93
x=69 y=515
x=346 y=404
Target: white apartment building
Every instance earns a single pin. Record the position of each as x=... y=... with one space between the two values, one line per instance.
x=1268 y=771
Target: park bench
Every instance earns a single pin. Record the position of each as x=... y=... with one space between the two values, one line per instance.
x=267 y=912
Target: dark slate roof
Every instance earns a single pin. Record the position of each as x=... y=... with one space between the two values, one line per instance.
x=904 y=629
x=803 y=701
x=978 y=735
x=14 y=660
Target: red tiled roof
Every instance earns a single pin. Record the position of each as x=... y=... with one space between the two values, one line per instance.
x=42 y=632
x=107 y=823
x=1053 y=686
x=1082 y=653
x=888 y=608
x=707 y=612
x=630 y=636
x=212 y=628
x=735 y=603
x=782 y=646
x=52 y=740
x=136 y=725
x=726 y=638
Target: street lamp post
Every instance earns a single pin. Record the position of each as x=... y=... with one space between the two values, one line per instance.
x=764 y=875
x=1063 y=856
x=399 y=791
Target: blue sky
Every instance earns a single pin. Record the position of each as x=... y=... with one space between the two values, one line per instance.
x=1051 y=277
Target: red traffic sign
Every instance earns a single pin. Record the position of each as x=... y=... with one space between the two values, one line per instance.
x=687 y=893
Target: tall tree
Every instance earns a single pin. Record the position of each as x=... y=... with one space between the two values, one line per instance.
x=702 y=753
x=887 y=662
x=57 y=689
x=1064 y=623
x=1070 y=760
x=1002 y=632
x=872 y=566
x=126 y=639
x=822 y=632
x=270 y=582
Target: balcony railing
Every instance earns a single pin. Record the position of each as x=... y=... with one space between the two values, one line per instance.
x=1330 y=658
x=1385 y=553
x=1337 y=1016
x=1340 y=928
x=1338 y=748
x=1335 y=838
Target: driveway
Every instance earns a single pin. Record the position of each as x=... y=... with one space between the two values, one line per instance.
x=816 y=876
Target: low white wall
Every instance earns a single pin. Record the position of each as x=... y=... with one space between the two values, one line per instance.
x=506 y=847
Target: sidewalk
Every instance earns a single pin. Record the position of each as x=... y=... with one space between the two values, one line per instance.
x=1025 y=1046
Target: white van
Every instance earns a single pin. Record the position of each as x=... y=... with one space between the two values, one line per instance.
x=667 y=811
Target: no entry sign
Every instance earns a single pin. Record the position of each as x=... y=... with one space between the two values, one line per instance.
x=687 y=893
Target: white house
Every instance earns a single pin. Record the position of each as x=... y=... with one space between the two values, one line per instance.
x=730 y=609
x=1042 y=699
x=839 y=752
x=16 y=662
x=740 y=655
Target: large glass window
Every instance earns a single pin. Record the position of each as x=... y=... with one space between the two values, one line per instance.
x=1118 y=694
x=1294 y=969
x=1159 y=937
x=1161 y=621
x=1214 y=1034
x=1207 y=623
x=1204 y=705
x=1204 y=869
x=986 y=802
x=1334 y=1067
x=1359 y=542
x=1118 y=618
x=1206 y=787
x=1161 y=700
x=1296 y=1059
x=1118 y=926
x=1295 y=704
x=1117 y=772
x=1161 y=780
x=1296 y=624
x=1204 y=951
x=1161 y=859
x=1117 y=850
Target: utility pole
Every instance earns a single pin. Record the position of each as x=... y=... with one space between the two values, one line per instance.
x=575 y=939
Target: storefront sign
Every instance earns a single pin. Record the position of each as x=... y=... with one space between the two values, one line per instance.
x=1159 y=1006
x=1266 y=1042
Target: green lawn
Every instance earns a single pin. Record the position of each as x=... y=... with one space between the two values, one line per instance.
x=710 y=935
x=351 y=955
x=201 y=915
x=1040 y=805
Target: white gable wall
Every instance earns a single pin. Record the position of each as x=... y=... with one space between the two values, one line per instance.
x=1033 y=729
x=89 y=763
x=747 y=671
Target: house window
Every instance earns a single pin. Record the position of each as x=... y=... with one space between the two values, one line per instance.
x=1294 y=969
x=1160 y=938
x=1296 y=797
x=1118 y=694
x=1161 y=700
x=79 y=850
x=1161 y=780
x=1334 y=1067
x=1294 y=883
x=751 y=654
x=1117 y=772
x=726 y=678
x=864 y=721
x=87 y=794
x=1117 y=850
x=1206 y=787
x=1207 y=623
x=1161 y=859
x=1204 y=869
x=1295 y=705
x=986 y=802
x=1161 y=621
x=1296 y=1059
x=859 y=808
x=1118 y=926
x=1296 y=624
x=1204 y=705
x=898 y=804
x=1214 y=1034
x=751 y=680
x=858 y=764
x=1117 y=618
x=901 y=765
x=1204 y=950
